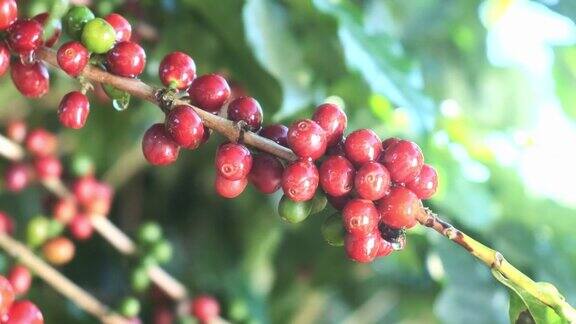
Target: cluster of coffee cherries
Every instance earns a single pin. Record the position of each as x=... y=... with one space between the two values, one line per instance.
x=14 y=311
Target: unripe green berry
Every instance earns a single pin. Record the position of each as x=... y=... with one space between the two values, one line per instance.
x=55 y=228
x=318 y=202
x=75 y=20
x=162 y=251
x=82 y=165
x=293 y=211
x=129 y=307
x=149 y=233
x=98 y=36
x=139 y=279
x=333 y=231
x=37 y=231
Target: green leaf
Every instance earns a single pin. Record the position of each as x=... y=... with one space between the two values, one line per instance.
x=277 y=51
x=521 y=300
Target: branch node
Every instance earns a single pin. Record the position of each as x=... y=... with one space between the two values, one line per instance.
x=165 y=98
x=498 y=259
x=242 y=127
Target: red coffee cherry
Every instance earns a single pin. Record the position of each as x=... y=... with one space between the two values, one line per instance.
x=277 y=133
x=362 y=146
x=177 y=70
x=158 y=147
x=425 y=184
x=56 y=28
x=333 y=120
x=72 y=58
x=338 y=202
x=121 y=26
x=403 y=160
x=6 y=223
x=24 y=36
x=64 y=210
x=209 y=92
x=246 y=109
x=266 y=173
x=4 y=58
x=20 y=278
x=205 y=308
x=337 y=148
x=126 y=59
x=73 y=110
x=101 y=200
x=400 y=208
x=385 y=248
x=16 y=130
x=80 y=227
x=307 y=139
x=6 y=296
x=59 y=251
x=372 y=181
x=16 y=177
x=360 y=217
x=41 y=142
x=362 y=248
x=229 y=188
x=8 y=13
x=84 y=189
x=233 y=161
x=300 y=181
x=387 y=143
x=24 y=311
x=185 y=127
x=337 y=176
x=48 y=167
x=31 y=80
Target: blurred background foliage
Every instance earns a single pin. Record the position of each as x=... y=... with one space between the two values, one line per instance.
x=485 y=87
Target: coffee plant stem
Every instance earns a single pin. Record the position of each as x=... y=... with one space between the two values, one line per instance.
x=59 y=282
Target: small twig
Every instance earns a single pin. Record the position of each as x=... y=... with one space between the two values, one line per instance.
x=62 y=284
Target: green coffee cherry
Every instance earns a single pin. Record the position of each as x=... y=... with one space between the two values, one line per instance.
x=319 y=202
x=55 y=228
x=162 y=251
x=149 y=233
x=333 y=230
x=98 y=36
x=37 y=231
x=75 y=20
x=293 y=211
x=129 y=307
x=82 y=165
x=186 y=319
x=139 y=279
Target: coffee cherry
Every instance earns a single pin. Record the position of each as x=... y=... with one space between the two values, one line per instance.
x=233 y=161
x=129 y=307
x=55 y=25
x=300 y=181
x=121 y=26
x=6 y=224
x=318 y=203
x=84 y=189
x=24 y=36
x=98 y=36
x=58 y=251
x=185 y=127
x=101 y=201
x=425 y=184
x=337 y=176
x=16 y=130
x=158 y=147
x=333 y=231
x=293 y=211
x=333 y=120
x=266 y=173
x=4 y=58
x=209 y=92
x=80 y=227
x=64 y=210
x=338 y=202
x=246 y=109
x=75 y=20
x=387 y=143
x=307 y=139
x=177 y=70
x=362 y=248
x=372 y=181
x=400 y=208
x=362 y=146
x=31 y=80
x=229 y=188
x=403 y=160
x=73 y=110
x=385 y=248
x=139 y=279
x=6 y=296
x=72 y=58
x=16 y=177
x=277 y=133
x=24 y=311
x=360 y=217
x=20 y=278
x=40 y=142
x=48 y=167
x=126 y=59
x=162 y=251
x=8 y=13
x=205 y=308
x=337 y=148
x=37 y=230
x=149 y=233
